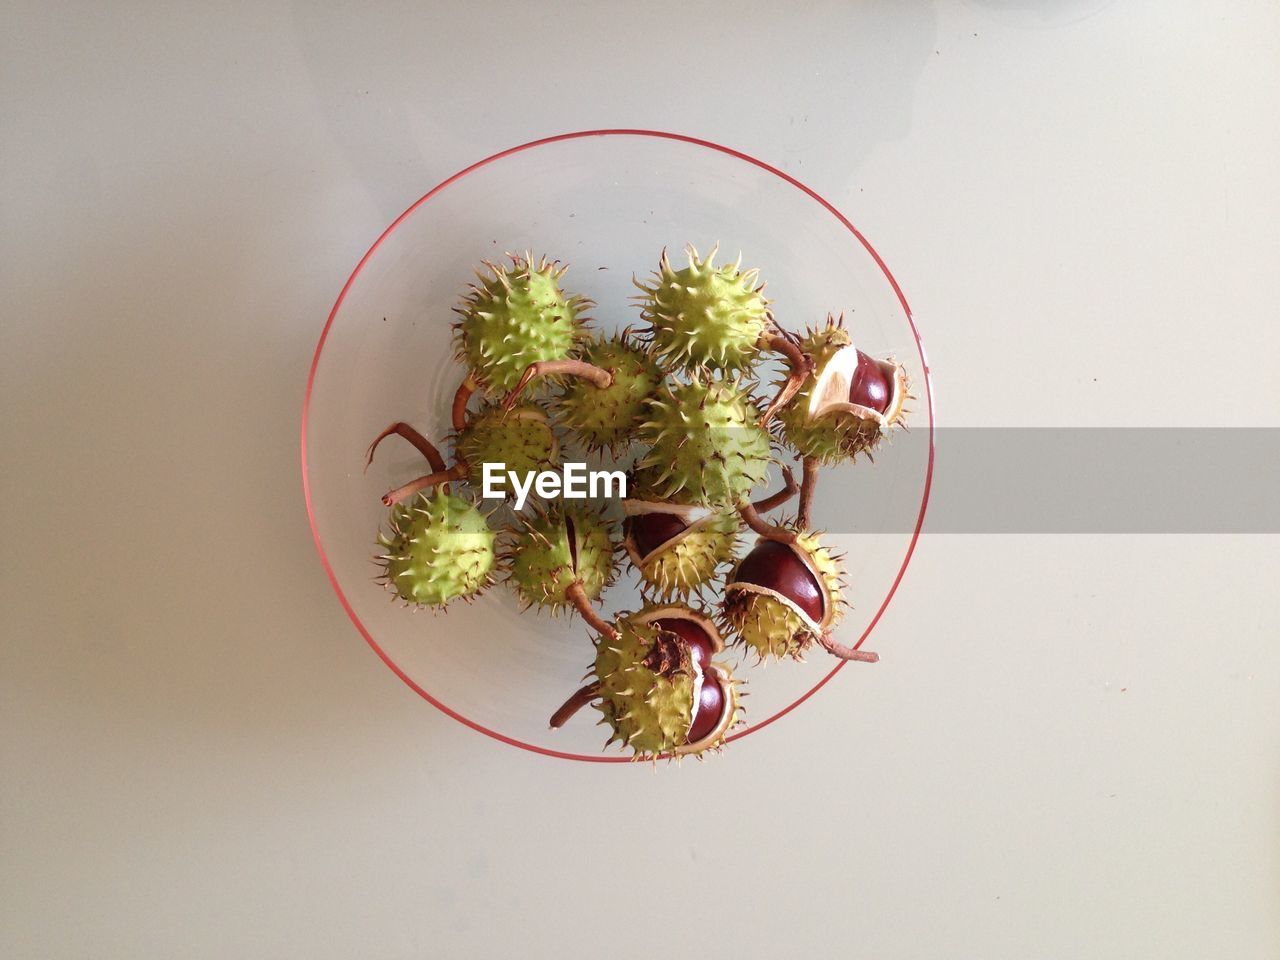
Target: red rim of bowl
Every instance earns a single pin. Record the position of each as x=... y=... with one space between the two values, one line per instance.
x=661 y=135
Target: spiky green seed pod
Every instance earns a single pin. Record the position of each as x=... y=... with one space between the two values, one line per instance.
x=690 y=558
x=703 y=315
x=650 y=683
x=609 y=416
x=554 y=549
x=648 y=711
x=827 y=441
x=521 y=438
x=515 y=316
x=769 y=610
x=705 y=444
x=771 y=629
x=440 y=549
x=820 y=422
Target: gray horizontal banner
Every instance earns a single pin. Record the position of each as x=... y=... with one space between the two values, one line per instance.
x=1051 y=480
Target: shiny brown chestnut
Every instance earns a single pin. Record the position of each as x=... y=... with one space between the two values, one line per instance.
x=869 y=386
x=650 y=531
x=695 y=638
x=777 y=566
x=708 y=709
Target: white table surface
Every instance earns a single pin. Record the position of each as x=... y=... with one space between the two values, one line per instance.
x=1070 y=749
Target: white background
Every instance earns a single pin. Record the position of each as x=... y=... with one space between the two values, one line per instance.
x=1070 y=749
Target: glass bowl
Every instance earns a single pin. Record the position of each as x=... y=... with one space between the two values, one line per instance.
x=606 y=202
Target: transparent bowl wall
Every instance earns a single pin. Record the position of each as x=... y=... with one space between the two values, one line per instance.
x=607 y=203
